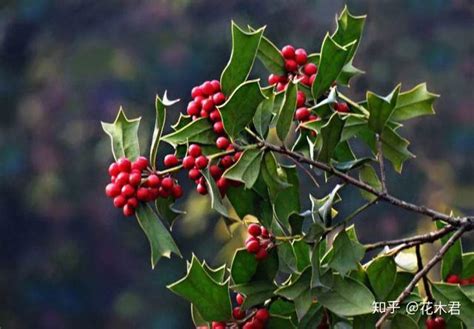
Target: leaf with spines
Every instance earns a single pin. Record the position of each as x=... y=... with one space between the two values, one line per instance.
x=368 y=175
x=287 y=111
x=331 y=134
x=349 y=28
x=160 y=109
x=346 y=255
x=255 y=292
x=381 y=109
x=198 y=131
x=161 y=241
x=414 y=103
x=263 y=116
x=244 y=266
x=216 y=198
x=247 y=168
x=211 y=298
x=452 y=262
x=446 y=293
x=238 y=111
x=270 y=56
x=123 y=135
x=166 y=211
x=244 y=50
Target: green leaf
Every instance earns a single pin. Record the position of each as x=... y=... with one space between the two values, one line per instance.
x=382 y=273
x=271 y=57
x=287 y=201
x=249 y=202
x=160 y=109
x=395 y=148
x=447 y=293
x=216 y=199
x=299 y=291
x=302 y=253
x=347 y=297
x=368 y=175
x=255 y=292
x=247 y=168
x=244 y=266
x=217 y=274
x=287 y=110
x=414 y=103
x=403 y=321
x=198 y=131
x=332 y=60
x=452 y=262
x=346 y=166
x=123 y=135
x=348 y=72
x=161 y=241
x=366 y=321
x=326 y=205
x=349 y=28
x=271 y=174
x=210 y=298
x=238 y=111
x=468 y=265
x=166 y=211
x=244 y=51
x=314 y=315
x=355 y=123
x=279 y=322
x=401 y=281
x=287 y=258
x=381 y=109
x=331 y=136
x=263 y=116
x=346 y=254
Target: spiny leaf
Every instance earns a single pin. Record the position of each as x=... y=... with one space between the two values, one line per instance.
x=216 y=198
x=285 y=116
x=414 y=103
x=331 y=136
x=244 y=266
x=263 y=116
x=349 y=28
x=247 y=168
x=198 y=131
x=161 y=241
x=346 y=254
x=452 y=262
x=381 y=109
x=244 y=51
x=271 y=57
x=123 y=135
x=368 y=175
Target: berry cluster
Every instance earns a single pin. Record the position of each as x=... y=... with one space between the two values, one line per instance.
x=296 y=65
x=455 y=279
x=250 y=319
x=259 y=241
x=435 y=323
x=132 y=183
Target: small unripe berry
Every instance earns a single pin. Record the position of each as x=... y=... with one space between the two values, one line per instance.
x=167 y=183
x=153 y=181
x=300 y=56
x=261 y=254
x=207 y=88
x=188 y=162
x=170 y=160
x=291 y=65
x=302 y=114
x=122 y=179
x=112 y=190
x=215 y=116
x=124 y=165
x=128 y=210
x=201 y=189
x=310 y=69
x=128 y=190
x=262 y=315
x=227 y=161
x=215 y=171
x=119 y=201
x=132 y=202
x=273 y=79
x=254 y=230
x=253 y=246
x=208 y=104
x=143 y=194
x=218 y=98
x=218 y=127
x=177 y=191
x=201 y=162
x=114 y=169
x=222 y=143
x=341 y=107
x=300 y=99
x=240 y=299
x=135 y=178
x=288 y=52
x=194 y=174
x=140 y=164
x=194 y=150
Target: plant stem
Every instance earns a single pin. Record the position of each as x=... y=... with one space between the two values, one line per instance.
x=354 y=214
x=426 y=285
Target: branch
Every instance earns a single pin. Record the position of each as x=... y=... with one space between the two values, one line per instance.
x=435 y=215
x=433 y=261
x=426 y=285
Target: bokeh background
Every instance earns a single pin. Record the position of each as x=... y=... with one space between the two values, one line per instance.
x=68 y=259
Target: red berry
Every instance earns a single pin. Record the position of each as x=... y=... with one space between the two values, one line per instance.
x=218 y=127
x=237 y=313
x=440 y=322
x=222 y=143
x=215 y=116
x=194 y=174
x=207 y=88
x=453 y=278
x=201 y=162
x=153 y=180
x=170 y=160
x=311 y=79
x=128 y=210
x=254 y=230
x=222 y=184
x=208 y=104
x=112 y=190
x=154 y=193
x=313 y=117
x=240 y=299
x=280 y=86
x=122 y=179
x=164 y=193
x=120 y=201
x=143 y=194
x=252 y=246
x=124 y=165
x=194 y=150
x=132 y=202
x=464 y=282
x=128 y=190
x=218 y=98
x=114 y=169
x=203 y=114
x=291 y=65
x=218 y=325
x=201 y=189
x=300 y=99
x=237 y=156
x=188 y=162
x=471 y=280
x=305 y=80
x=196 y=91
x=261 y=254
x=177 y=191
x=273 y=79
x=167 y=183
x=300 y=56
x=227 y=161
x=257 y=324
x=341 y=107
x=288 y=52
x=193 y=108
x=215 y=171
x=310 y=69
x=135 y=178
x=264 y=233
x=248 y=325
x=140 y=164
x=302 y=114
x=216 y=85
x=262 y=314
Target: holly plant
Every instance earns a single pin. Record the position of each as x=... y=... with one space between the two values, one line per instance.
x=248 y=146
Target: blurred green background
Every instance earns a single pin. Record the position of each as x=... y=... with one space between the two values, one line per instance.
x=68 y=259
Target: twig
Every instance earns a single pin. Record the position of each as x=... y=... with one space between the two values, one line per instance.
x=381 y=164
x=433 y=261
x=307 y=172
x=354 y=214
x=426 y=285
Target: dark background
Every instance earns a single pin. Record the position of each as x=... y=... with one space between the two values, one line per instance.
x=68 y=259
